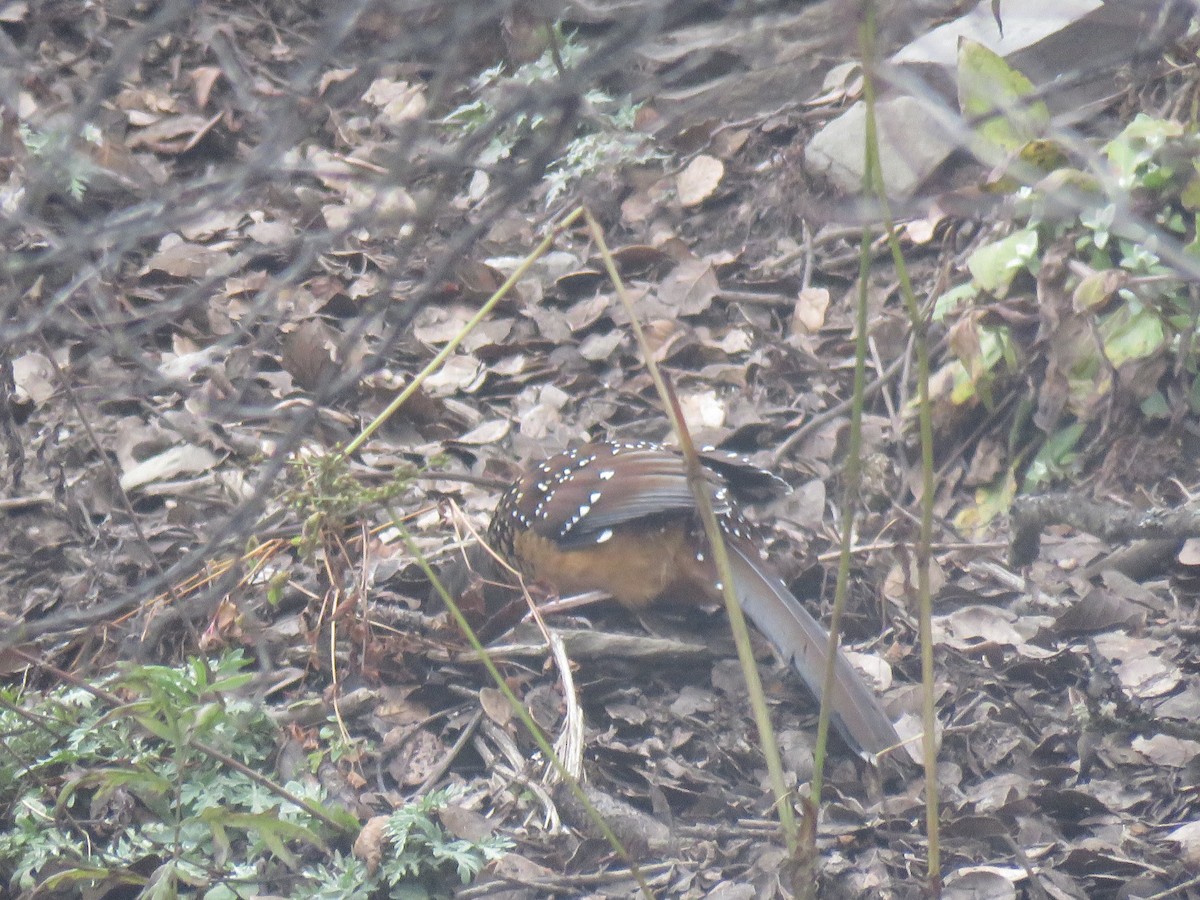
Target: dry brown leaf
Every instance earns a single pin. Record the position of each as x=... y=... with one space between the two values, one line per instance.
x=1165 y=750
x=173 y=134
x=875 y=668
x=732 y=343
x=987 y=462
x=697 y=182
x=417 y=758
x=693 y=700
x=520 y=869
x=808 y=315
x=224 y=627
x=397 y=101
x=334 y=76
x=587 y=313
x=203 y=79
x=437 y=324
x=1099 y=610
x=465 y=824
x=897 y=585
x=637 y=208
x=143 y=105
x=1141 y=671
x=539 y=410
x=490 y=432
x=970 y=626
x=14 y=11
x=1189 y=553
x=690 y=288
x=187 y=459
x=34 y=378
x=1187 y=836
x=183 y=259
x=975 y=882
x=702 y=410
x=212 y=223
x=310 y=352
x=596 y=347
x=495 y=705
x=369 y=844
x=270 y=233
x=461 y=372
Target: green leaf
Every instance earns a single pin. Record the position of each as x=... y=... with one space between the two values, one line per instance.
x=953 y=299
x=1156 y=407
x=993 y=266
x=149 y=787
x=1134 y=148
x=1189 y=197
x=991 y=95
x=91 y=874
x=1055 y=457
x=1097 y=288
x=266 y=826
x=1131 y=334
x=991 y=502
x=163 y=883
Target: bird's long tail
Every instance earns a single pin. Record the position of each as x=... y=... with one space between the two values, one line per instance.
x=803 y=643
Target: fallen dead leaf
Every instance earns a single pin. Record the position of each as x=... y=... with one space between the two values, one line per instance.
x=397 y=101
x=978 y=882
x=697 y=182
x=464 y=823
x=808 y=316
x=309 y=352
x=1100 y=610
x=1189 y=553
x=1187 y=836
x=417 y=758
x=1141 y=671
x=33 y=376
x=1165 y=750
x=490 y=432
x=897 y=584
x=183 y=259
x=188 y=459
x=690 y=288
x=461 y=372
x=596 y=347
x=877 y=670
x=368 y=846
x=965 y=628
x=702 y=410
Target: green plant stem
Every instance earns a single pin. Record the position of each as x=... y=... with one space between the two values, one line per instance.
x=737 y=620
x=873 y=177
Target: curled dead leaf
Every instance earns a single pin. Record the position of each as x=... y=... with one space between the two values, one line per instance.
x=808 y=315
x=490 y=432
x=1189 y=553
x=397 y=101
x=368 y=846
x=188 y=459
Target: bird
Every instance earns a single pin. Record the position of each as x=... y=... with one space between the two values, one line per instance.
x=620 y=517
